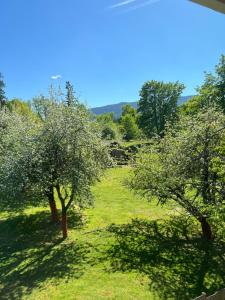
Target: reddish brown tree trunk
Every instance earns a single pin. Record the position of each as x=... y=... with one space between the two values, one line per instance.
x=52 y=204
x=206 y=229
x=54 y=212
x=64 y=224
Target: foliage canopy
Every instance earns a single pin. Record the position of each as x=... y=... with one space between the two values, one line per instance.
x=187 y=166
x=158 y=105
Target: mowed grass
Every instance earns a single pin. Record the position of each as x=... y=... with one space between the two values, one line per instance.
x=115 y=203
x=36 y=264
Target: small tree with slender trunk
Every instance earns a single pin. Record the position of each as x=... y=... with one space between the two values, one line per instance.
x=187 y=166
x=69 y=157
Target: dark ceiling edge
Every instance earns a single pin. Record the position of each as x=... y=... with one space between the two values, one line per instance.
x=218 y=5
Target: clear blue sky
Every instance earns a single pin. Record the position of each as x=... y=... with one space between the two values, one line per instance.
x=106 y=48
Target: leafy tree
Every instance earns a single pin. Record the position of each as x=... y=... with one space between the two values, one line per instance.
x=69 y=156
x=2 y=92
x=220 y=82
x=108 y=126
x=105 y=118
x=108 y=132
x=129 y=110
x=211 y=92
x=192 y=106
x=16 y=132
x=41 y=106
x=18 y=161
x=70 y=98
x=187 y=166
x=213 y=89
x=129 y=127
x=129 y=122
x=20 y=107
x=157 y=105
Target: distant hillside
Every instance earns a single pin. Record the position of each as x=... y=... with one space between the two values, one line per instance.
x=117 y=108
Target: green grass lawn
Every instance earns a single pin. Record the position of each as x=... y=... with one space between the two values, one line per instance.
x=36 y=264
x=99 y=261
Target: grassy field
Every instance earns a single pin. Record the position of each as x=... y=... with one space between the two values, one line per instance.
x=116 y=250
x=36 y=264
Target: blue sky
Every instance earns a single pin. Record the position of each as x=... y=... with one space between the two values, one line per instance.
x=106 y=48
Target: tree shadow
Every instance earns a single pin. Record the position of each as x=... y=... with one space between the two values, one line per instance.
x=32 y=251
x=76 y=219
x=179 y=265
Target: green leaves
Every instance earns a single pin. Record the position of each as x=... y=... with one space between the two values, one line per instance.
x=65 y=150
x=186 y=165
x=129 y=127
x=158 y=105
x=2 y=92
x=210 y=93
x=16 y=139
x=70 y=152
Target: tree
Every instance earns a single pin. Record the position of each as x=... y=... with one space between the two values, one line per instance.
x=69 y=156
x=129 y=127
x=211 y=92
x=129 y=122
x=108 y=132
x=157 y=105
x=2 y=92
x=213 y=89
x=220 y=82
x=109 y=127
x=18 y=161
x=41 y=106
x=70 y=98
x=187 y=166
x=129 y=110
x=20 y=107
x=16 y=138
x=192 y=106
x=105 y=118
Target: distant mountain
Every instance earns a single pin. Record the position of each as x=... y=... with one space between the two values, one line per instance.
x=117 y=108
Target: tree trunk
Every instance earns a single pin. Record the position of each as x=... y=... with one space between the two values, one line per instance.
x=206 y=229
x=64 y=224
x=52 y=204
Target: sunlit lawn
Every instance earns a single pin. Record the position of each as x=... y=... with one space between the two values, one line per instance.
x=36 y=264
x=100 y=260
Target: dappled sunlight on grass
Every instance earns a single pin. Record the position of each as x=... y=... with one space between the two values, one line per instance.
x=33 y=252
x=36 y=264
x=178 y=262
x=107 y=255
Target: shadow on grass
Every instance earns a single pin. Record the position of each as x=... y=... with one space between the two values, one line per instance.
x=32 y=251
x=178 y=266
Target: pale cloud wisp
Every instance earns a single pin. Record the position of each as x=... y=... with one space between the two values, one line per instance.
x=143 y=4
x=131 y=5
x=56 y=77
x=123 y=3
